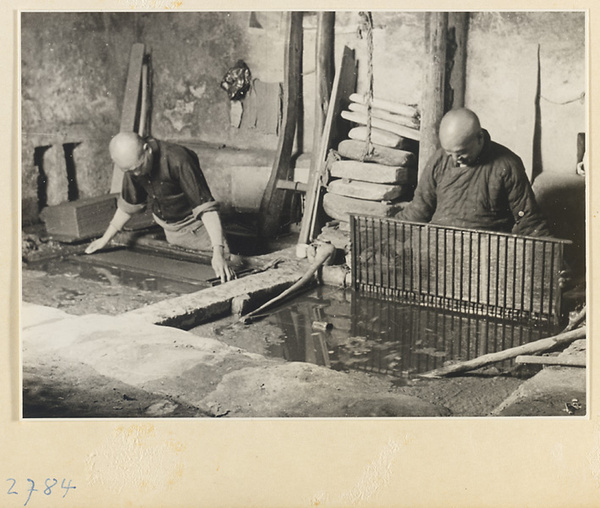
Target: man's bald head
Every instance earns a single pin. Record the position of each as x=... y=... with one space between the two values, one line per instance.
x=461 y=135
x=127 y=150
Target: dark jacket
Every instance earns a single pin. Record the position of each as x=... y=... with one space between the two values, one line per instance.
x=174 y=184
x=494 y=194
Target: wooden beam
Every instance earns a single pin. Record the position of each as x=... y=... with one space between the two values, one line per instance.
x=324 y=73
x=272 y=204
x=344 y=84
x=433 y=98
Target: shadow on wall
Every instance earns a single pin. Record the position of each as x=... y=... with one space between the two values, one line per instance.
x=562 y=200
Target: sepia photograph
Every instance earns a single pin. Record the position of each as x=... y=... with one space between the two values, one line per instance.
x=299 y=254
x=303 y=214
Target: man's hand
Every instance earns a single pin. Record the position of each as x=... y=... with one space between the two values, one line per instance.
x=220 y=265
x=98 y=244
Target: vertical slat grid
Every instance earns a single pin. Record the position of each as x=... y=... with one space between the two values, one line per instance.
x=476 y=272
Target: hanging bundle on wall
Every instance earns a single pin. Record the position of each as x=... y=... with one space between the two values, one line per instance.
x=236 y=81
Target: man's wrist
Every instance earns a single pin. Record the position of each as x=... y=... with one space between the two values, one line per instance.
x=218 y=247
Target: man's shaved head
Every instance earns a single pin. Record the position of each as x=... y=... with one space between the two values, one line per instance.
x=126 y=150
x=461 y=135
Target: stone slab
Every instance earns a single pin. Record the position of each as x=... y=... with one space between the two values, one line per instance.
x=190 y=310
x=218 y=379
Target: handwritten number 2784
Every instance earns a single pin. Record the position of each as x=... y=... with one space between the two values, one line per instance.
x=49 y=483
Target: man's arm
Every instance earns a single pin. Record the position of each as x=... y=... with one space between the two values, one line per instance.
x=213 y=226
x=423 y=205
x=521 y=199
x=116 y=224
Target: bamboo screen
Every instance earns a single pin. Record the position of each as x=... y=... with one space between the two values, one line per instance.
x=471 y=271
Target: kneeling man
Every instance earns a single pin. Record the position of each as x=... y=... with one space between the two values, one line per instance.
x=168 y=175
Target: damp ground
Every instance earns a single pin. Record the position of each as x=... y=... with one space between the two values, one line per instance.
x=360 y=337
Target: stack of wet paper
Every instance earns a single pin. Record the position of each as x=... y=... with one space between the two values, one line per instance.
x=381 y=181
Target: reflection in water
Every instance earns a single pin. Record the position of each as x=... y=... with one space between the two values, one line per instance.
x=387 y=337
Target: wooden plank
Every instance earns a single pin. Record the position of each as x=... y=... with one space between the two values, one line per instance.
x=268 y=106
x=343 y=85
x=353 y=149
x=368 y=190
x=373 y=172
x=272 y=204
x=378 y=123
x=129 y=111
x=563 y=361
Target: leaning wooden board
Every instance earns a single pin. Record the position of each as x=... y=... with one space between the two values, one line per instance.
x=129 y=112
x=344 y=85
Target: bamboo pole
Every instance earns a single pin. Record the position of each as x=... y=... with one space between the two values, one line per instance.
x=324 y=252
x=537 y=346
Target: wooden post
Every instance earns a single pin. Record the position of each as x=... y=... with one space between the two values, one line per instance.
x=272 y=204
x=325 y=70
x=458 y=29
x=433 y=98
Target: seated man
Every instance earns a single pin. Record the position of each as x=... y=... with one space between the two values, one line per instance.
x=473 y=182
x=181 y=200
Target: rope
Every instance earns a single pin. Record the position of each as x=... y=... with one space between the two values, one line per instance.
x=365 y=29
